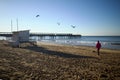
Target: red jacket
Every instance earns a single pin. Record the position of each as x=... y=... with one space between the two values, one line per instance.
x=98 y=45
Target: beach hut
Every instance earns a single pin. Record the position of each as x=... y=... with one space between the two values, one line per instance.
x=20 y=37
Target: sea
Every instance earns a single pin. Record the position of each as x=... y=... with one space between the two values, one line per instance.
x=110 y=42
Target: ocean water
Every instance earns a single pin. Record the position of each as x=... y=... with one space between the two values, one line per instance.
x=111 y=42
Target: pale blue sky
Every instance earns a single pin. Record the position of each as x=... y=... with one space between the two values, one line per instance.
x=91 y=17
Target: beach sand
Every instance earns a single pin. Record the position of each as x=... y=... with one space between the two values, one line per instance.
x=57 y=62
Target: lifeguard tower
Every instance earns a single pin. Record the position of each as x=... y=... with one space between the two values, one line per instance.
x=19 y=37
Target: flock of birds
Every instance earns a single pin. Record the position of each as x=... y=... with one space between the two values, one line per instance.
x=58 y=23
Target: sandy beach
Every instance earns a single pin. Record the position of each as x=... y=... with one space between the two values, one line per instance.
x=57 y=62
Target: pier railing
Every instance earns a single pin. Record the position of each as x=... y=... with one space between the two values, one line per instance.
x=6 y=34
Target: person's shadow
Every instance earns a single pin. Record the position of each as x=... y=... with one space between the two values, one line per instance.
x=55 y=53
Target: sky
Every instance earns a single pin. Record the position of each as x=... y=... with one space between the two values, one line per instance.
x=89 y=17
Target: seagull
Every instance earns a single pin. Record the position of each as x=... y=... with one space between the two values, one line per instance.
x=58 y=23
x=37 y=15
x=73 y=26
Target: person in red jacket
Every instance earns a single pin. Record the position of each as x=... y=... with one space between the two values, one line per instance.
x=98 y=46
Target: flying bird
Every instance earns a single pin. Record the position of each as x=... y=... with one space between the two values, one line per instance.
x=37 y=15
x=58 y=23
x=73 y=26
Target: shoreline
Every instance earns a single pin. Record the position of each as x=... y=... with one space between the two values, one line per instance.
x=58 y=44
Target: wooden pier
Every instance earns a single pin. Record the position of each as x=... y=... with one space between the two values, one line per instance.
x=46 y=35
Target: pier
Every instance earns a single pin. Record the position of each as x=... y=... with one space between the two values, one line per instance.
x=41 y=36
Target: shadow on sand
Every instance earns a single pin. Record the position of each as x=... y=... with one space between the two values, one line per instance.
x=55 y=53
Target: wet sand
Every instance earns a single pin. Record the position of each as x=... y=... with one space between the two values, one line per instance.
x=58 y=62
